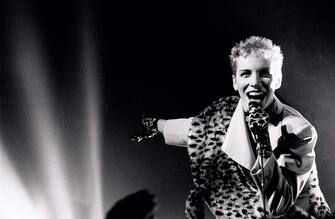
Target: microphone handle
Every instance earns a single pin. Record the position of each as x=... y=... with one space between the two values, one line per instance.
x=261 y=137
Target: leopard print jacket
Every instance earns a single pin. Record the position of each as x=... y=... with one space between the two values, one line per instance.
x=224 y=185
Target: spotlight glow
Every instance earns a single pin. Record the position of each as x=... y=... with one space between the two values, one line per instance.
x=93 y=120
x=14 y=199
x=52 y=196
x=32 y=76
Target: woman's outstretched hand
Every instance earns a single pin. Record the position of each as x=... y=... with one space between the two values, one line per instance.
x=149 y=129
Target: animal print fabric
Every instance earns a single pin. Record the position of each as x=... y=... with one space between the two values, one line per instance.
x=257 y=120
x=224 y=185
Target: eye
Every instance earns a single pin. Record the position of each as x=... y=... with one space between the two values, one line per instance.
x=245 y=73
x=265 y=73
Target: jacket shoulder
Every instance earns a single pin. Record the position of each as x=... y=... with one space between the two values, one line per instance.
x=296 y=123
x=225 y=105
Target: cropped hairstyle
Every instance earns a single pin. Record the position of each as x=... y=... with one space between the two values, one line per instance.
x=258 y=46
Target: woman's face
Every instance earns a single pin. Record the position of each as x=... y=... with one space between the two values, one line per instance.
x=254 y=80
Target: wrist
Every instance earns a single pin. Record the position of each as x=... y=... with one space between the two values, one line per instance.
x=160 y=125
x=150 y=125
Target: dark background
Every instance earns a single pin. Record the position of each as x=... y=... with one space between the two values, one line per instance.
x=167 y=59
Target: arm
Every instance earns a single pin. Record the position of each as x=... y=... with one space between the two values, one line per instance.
x=160 y=125
x=288 y=168
x=175 y=131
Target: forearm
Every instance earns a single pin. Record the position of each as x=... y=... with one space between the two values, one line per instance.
x=160 y=125
x=175 y=131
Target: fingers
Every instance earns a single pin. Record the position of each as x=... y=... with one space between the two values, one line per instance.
x=284 y=130
x=137 y=138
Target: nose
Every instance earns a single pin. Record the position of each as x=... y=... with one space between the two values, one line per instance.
x=255 y=79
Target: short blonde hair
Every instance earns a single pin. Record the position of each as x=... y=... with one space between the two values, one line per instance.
x=259 y=46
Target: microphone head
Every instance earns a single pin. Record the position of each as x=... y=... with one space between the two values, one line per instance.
x=253 y=106
x=257 y=118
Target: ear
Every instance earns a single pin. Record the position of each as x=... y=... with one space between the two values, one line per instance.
x=234 y=82
x=277 y=81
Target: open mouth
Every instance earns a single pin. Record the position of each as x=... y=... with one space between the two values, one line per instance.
x=256 y=95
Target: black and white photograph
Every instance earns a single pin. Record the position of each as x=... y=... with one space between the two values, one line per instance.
x=167 y=109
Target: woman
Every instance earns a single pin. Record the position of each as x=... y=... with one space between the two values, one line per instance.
x=251 y=156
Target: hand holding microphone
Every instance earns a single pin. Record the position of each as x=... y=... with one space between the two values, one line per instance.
x=257 y=120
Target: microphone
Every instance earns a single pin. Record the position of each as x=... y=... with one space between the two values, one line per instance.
x=257 y=120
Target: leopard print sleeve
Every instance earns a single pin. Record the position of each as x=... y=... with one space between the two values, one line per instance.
x=202 y=126
x=201 y=151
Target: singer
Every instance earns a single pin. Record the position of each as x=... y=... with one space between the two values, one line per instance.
x=251 y=155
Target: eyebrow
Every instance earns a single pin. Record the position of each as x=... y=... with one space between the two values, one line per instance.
x=265 y=68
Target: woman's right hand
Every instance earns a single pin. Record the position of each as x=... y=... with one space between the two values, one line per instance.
x=149 y=129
